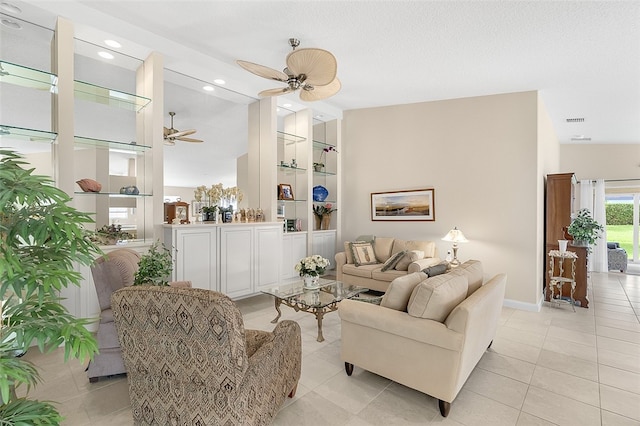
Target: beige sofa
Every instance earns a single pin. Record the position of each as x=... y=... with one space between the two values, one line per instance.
x=428 y=333
x=372 y=276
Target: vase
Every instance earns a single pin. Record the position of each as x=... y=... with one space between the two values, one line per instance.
x=310 y=281
x=318 y=167
x=562 y=245
x=326 y=222
x=318 y=220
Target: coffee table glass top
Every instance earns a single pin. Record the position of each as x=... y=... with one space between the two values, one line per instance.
x=329 y=291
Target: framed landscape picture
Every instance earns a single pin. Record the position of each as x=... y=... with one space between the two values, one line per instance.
x=403 y=205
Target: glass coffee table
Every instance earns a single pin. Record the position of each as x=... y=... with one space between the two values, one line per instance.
x=318 y=301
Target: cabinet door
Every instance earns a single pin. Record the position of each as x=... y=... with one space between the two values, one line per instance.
x=294 y=248
x=268 y=256
x=196 y=257
x=236 y=261
x=324 y=244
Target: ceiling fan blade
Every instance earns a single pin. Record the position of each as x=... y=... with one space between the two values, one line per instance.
x=179 y=133
x=275 y=92
x=320 y=92
x=263 y=71
x=167 y=131
x=169 y=142
x=319 y=65
x=190 y=140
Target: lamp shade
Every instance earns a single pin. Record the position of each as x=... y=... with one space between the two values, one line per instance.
x=455 y=235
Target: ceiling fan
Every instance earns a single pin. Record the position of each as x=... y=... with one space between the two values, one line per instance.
x=312 y=70
x=171 y=135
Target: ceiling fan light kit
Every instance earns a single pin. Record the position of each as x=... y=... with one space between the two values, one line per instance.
x=314 y=71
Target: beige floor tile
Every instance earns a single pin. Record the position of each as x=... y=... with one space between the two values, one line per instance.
x=562 y=383
x=316 y=371
x=560 y=409
x=619 y=360
x=520 y=336
x=569 y=335
x=470 y=408
x=619 y=334
x=617 y=345
x=585 y=352
x=620 y=379
x=623 y=325
x=617 y=315
x=507 y=366
x=355 y=392
x=614 y=308
x=582 y=325
x=526 y=419
x=618 y=300
x=399 y=405
x=612 y=419
x=499 y=388
x=569 y=364
x=312 y=410
x=621 y=402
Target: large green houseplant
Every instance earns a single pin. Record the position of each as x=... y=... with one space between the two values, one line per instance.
x=40 y=239
x=154 y=267
x=584 y=229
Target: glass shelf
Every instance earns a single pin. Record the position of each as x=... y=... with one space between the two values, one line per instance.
x=26 y=77
x=293 y=201
x=321 y=145
x=103 y=95
x=324 y=173
x=287 y=169
x=113 y=194
x=28 y=134
x=289 y=139
x=90 y=142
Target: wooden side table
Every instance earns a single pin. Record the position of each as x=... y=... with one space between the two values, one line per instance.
x=563 y=274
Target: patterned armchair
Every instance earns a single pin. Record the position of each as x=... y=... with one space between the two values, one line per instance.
x=190 y=361
x=617 y=257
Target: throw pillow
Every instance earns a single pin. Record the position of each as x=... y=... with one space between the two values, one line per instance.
x=360 y=239
x=410 y=256
x=434 y=270
x=392 y=261
x=436 y=297
x=363 y=253
x=472 y=269
x=400 y=290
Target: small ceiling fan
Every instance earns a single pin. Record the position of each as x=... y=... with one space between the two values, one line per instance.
x=311 y=70
x=171 y=135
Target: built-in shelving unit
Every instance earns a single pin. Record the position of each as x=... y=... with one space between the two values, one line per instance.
x=27 y=77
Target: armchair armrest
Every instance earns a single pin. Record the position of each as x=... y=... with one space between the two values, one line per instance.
x=341 y=260
x=421 y=264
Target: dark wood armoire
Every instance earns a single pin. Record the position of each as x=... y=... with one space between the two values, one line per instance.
x=559 y=200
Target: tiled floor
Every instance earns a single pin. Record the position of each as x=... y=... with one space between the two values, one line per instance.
x=552 y=367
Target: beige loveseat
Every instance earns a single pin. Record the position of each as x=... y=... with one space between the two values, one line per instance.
x=418 y=256
x=428 y=333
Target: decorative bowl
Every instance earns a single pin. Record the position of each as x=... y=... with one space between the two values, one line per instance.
x=320 y=193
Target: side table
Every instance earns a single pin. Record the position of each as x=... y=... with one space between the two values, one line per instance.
x=561 y=275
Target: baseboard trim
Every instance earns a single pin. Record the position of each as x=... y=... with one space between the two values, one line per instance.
x=522 y=306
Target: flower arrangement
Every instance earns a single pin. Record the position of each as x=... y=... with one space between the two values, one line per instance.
x=217 y=193
x=110 y=234
x=323 y=154
x=320 y=210
x=314 y=265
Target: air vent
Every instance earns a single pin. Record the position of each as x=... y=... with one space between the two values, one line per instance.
x=580 y=138
x=575 y=120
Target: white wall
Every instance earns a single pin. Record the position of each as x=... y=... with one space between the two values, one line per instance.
x=481 y=156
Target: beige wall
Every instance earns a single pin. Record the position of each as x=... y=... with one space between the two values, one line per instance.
x=481 y=156
x=598 y=161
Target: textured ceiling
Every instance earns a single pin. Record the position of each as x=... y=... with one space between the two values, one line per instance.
x=583 y=56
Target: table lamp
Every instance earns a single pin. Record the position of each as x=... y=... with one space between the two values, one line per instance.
x=456 y=236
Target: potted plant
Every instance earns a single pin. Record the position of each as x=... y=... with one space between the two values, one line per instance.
x=209 y=213
x=154 y=267
x=111 y=234
x=310 y=268
x=41 y=237
x=320 y=164
x=584 y=229
x=322 y=215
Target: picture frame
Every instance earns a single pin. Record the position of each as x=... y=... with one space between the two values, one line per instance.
x=196 y=208
x=280 y=212
x=285 y=192
x=407 y=205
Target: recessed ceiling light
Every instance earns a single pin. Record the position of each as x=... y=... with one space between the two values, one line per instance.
x=219 y=81
x=10 y=7
x=105 y=55
x=113 y=43
x=11 y=24
x=286 y=105
x=208 y=88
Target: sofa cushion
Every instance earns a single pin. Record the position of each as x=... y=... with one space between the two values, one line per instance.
x=363 y=271
x=472 y=269
x=399 y=291
x=383 y=247
x=410 y=256
x=363 y=253
x=392 y=261
x=434 y=270
x=435 y=298
x=428 y=247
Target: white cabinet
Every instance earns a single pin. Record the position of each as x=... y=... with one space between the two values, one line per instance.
x=195 y=252
x=236 y=261
x=324 y=244
x=294 y=248
x=268 y=254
